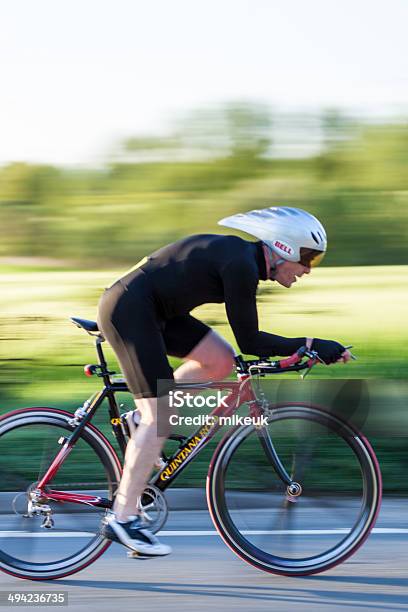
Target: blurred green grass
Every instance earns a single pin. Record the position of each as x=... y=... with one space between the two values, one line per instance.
x=362 y=306
x=42 y=353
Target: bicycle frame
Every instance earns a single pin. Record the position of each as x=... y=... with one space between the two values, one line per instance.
x=240 y=392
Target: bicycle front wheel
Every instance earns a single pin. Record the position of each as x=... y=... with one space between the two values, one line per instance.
x=340 y=484
x=29 y=441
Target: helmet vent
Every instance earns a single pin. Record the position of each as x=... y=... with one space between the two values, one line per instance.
x=314 y=238
x=287 y=211
x=281 y=212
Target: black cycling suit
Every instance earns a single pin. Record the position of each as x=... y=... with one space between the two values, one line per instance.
x=145 y=314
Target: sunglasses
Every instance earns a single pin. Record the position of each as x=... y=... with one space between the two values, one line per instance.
x=310 y=257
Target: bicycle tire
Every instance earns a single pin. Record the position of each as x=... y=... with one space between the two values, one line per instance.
x=229 y=526
x=23 y=423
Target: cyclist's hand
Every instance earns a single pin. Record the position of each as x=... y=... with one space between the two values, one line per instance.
x=330 y=351
x=346 y=356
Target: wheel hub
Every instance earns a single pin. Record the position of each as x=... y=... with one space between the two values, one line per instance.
x=294 y=489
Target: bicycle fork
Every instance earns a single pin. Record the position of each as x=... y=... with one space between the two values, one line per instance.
x=293 y=489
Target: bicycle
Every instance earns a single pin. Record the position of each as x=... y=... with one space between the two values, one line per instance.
x=295 y=496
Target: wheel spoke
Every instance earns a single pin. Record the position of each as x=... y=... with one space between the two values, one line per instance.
x=334 y=506
x=28 y=444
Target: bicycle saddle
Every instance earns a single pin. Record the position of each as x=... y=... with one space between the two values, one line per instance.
x=86 y=324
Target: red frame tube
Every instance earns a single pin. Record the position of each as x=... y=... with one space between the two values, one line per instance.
x=241 y=392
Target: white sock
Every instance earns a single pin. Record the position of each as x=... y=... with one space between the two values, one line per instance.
x=129 y=518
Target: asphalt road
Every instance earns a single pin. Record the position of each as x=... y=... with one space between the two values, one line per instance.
x=203 y=573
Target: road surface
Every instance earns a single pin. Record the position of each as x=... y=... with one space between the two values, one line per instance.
x=203 y=573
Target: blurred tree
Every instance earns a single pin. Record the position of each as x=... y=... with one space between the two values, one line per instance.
x=216 y=161
x=336 y=127
x=237 y=129
x=28 y=194
x=149 y=149
x=249 y=129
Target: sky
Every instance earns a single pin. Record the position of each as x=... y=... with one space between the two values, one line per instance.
x=79 y=76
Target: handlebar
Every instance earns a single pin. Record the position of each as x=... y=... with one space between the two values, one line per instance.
x=302 y=359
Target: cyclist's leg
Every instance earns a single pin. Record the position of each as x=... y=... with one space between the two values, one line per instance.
x=206 y=355
x=125 y=525
x=141 y=452
x=211 y=359
x=132 y=329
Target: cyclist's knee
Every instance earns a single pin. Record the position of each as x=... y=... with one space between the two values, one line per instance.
x=214 y=354
x=221 y=364
x=222 y=367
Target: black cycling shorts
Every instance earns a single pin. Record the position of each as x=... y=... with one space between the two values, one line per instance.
x=130 y=320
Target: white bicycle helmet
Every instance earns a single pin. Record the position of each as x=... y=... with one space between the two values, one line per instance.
x=292 y=233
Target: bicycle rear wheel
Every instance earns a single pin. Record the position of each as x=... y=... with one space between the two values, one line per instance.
x=28 y=444
x=340 y=482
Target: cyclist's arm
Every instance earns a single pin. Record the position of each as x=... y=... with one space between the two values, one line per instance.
x=240 y=284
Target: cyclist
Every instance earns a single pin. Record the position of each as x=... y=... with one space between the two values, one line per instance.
x=145 y=316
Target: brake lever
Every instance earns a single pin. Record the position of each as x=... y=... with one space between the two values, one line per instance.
x=314 y=358
x=303 y=375
x=351 y=354
x=313 y=355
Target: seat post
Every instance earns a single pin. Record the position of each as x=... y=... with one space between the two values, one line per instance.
x=102 y=360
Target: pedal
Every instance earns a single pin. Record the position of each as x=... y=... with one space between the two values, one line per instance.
x=47 y=523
